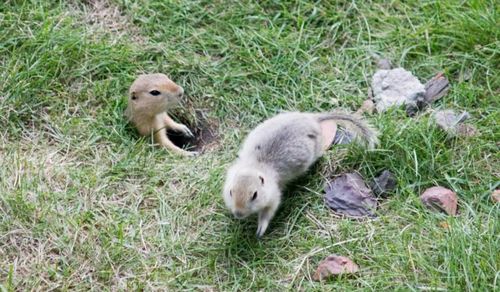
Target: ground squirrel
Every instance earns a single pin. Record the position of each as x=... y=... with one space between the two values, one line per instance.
x=276 y=152
x=150 y=96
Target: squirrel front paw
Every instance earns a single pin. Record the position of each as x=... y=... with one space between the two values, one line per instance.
x=186 y=131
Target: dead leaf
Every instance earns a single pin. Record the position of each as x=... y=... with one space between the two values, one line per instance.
x=384 y=184
x=349 y=195
x=334 y=265
x=440 y=199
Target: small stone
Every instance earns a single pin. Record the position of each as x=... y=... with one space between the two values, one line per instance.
x=384 y=184
x=495 y=196
x=367 y=107
x=396 y=87
x=384 y=64
x=334 y=265
x=440 y=199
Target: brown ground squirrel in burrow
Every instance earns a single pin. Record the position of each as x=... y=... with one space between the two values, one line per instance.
x=277 y=151
x=150 y=97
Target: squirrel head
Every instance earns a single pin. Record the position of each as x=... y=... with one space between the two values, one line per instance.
x=245 y=192
x=154 y=93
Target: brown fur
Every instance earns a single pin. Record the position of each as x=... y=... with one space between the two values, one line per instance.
x=148 y=112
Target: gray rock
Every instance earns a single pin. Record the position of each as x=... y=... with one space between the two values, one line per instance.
x=396 y=87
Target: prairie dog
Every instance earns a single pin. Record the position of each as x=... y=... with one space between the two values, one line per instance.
x=277 y=151
x=150 y=96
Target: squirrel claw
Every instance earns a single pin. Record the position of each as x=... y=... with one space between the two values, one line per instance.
x=186 y=131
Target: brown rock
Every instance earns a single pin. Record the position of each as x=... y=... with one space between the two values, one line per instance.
x=440 y=199
x=495 y=196
x=436 y=88
x=334 y=265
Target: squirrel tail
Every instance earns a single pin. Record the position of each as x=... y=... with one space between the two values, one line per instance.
x=354 y=123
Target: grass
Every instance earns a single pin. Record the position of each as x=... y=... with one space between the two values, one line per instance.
x=87 y=204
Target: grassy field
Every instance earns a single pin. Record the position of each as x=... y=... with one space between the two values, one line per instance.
x=85 y=203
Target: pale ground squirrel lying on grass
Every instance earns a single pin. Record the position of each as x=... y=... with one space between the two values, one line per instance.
x=276 y=152
x=150 y=96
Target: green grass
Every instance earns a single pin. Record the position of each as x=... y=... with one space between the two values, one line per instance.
x=87 y=204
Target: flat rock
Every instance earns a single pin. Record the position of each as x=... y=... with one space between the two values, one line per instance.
x=440 y=199
x=334 y=265
x=348 y=195
x=436 y=88
x=396 y=87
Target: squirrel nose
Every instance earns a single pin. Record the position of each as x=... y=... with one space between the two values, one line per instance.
x=180 y=92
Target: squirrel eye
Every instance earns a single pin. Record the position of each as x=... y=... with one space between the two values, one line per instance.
x=134 y=97
x=254 y=196
x=230 y=193
x=154 y=92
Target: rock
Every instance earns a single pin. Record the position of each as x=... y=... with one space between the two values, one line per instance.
x=440 y=199
x=384 y=184
x=334 y=265
x=451 y=122
x=436 y=88
x=349 y=195
x=495 y=196
x=396 y=87
x=367 y=107
x=384 y=64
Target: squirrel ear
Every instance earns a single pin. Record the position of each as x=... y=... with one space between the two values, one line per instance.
x=261 y=179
